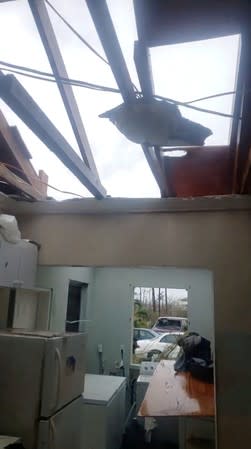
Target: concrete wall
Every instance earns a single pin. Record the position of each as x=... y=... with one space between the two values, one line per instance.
x=58 y=279
x=218 y=240
x=112 y=306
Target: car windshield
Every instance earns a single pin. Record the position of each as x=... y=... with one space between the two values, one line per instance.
x=165 y=322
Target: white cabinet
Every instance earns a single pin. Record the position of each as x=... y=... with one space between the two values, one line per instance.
x=24 y=308
x=9 y=262
x=18 y=263
x=103 y=412
x=27 y=265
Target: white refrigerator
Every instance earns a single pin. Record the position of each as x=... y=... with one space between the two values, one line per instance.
x=41 y=385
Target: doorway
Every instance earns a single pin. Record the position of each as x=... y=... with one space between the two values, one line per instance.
x=76 y=306
x=160 y=316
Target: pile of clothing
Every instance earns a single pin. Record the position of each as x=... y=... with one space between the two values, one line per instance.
x=195 y=357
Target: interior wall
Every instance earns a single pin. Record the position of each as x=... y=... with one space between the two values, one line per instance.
x=58 y=279
x=218 y=240
x=112 y=306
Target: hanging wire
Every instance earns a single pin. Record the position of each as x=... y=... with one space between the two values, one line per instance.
x=195 y=108
x=21 y=181
x=45 y=76
x=211 y=96
x=76 y=32
x=84 y=41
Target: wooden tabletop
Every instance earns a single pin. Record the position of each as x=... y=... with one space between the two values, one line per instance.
x=5 y=441
x=171 y=394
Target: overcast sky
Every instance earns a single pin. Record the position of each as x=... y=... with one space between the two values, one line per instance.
x=183 y=72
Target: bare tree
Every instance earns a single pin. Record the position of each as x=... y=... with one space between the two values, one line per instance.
x=153 y=300
x=165 y=293
x=159 y=299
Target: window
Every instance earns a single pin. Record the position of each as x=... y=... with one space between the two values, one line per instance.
x=145 y=335
x=164 y=322
x=172 y=338
x=136 y=334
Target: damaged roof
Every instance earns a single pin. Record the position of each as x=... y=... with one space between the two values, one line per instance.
x=204 y=170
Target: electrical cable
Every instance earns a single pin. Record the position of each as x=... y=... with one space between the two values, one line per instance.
x=55 y=79
x=37 y=179
x=211 y=96
x=195 y=108
x=76 y=32
x=88 y=85
x=63 y=81
x=81 y=38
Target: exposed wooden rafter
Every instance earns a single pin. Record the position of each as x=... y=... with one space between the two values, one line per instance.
x=107 y=34
x=44 y=26
x=17 y=172
x=144 y=70
x=21 y=185
x=18 y=99
x=166 y=22
x=242 y=163
x=15 y=148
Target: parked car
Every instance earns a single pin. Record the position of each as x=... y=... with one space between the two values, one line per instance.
x=170 y=324
x=147 y=349
x=143 y=334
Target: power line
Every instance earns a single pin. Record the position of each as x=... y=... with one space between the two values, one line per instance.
x=61 y=79
x=211 y=97
x=45 y=75
x=106 y=62
x=64 y=81
x=76 y=32
x=81 y=38
x=195 y=108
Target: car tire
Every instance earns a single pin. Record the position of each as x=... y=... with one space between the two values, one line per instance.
x=150 y=354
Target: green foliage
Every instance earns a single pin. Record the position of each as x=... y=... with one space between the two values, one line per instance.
x=141 y=315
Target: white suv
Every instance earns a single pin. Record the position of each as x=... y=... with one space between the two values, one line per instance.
x=170 y=324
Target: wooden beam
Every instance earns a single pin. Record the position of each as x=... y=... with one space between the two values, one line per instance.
x=153 y=155
x=44 y=26
x=8 y=139
x=156 y=163
x=108 y=37
x=243 y=131
x=43 y=181
x=236 y=125
x=245 y=182
x=144 y=69
x=13 y=142
x=164 y=22
x=18 y=99
x=21 y=145
x=19 y=183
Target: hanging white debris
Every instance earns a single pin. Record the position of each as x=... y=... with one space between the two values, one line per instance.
x=9 y=228
x=155 y=122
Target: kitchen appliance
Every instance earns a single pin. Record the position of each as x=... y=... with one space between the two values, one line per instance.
x=18 y=263
x=103 y=416
x=41 y=382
